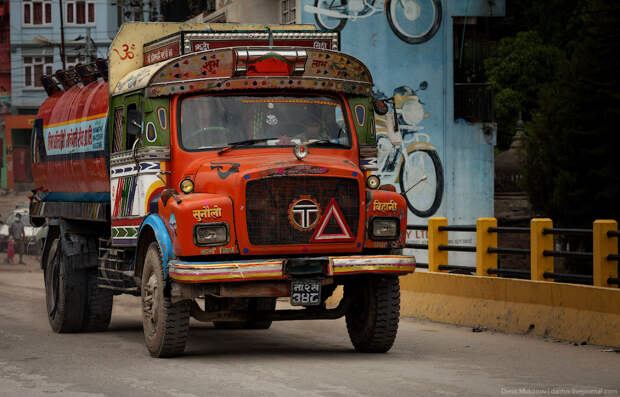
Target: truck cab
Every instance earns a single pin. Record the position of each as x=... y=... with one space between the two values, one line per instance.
x=239 y=171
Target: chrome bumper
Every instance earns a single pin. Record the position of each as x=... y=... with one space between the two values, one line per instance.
x=273 y=269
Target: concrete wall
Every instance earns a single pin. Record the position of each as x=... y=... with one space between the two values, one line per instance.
x=24 y=43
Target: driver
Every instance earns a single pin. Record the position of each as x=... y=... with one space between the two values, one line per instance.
x=313 y=130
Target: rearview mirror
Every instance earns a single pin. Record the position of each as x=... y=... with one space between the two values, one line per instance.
x=134 y=122
x=380 y=107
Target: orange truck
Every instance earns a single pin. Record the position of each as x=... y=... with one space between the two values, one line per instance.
x=210 y=170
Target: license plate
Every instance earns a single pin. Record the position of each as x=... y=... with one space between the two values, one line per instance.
x=305 y=292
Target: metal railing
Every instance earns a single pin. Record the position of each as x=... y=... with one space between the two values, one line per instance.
x=604 y=255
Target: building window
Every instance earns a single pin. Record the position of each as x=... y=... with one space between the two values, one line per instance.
x=288 y=11
x=37 y=12
x=34 y=68
x=72 y=60
x=475 y=39
x=80 y=12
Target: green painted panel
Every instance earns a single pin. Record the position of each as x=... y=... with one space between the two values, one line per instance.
x=363 y=116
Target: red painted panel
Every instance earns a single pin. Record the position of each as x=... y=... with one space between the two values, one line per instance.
x=74 y=121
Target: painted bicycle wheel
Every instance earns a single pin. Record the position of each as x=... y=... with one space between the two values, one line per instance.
x=330 y=23
x=414 y=21
x=421 y=182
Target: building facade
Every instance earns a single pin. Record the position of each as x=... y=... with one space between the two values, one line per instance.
x=5 y=82
x=423 y=53
x=89 y=27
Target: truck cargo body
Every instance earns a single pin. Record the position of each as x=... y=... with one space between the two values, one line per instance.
x=71 y=151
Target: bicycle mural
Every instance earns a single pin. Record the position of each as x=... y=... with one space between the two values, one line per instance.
x=406 y=156
x=413 y=21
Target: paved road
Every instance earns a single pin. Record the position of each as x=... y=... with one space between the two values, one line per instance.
x=290 y=359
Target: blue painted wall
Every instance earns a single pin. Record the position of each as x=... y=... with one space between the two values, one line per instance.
x=464 y=149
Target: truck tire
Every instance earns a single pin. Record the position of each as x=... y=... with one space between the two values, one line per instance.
x=99 y=306
x=255 y=304
x=65 y=292
x=372 y=320
x=166 y=324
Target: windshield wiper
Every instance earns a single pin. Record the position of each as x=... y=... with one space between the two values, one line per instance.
x=231 y=145
x=326 y=142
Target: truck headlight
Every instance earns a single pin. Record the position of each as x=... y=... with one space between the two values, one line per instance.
x=211 y=234
x=385 y=228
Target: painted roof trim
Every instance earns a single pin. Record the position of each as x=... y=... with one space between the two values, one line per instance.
x=219 y=70
x=125 y=53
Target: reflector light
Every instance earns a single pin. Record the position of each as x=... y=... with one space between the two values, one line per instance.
x=332 y=214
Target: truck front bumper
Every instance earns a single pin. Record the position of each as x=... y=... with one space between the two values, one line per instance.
x=276 y=269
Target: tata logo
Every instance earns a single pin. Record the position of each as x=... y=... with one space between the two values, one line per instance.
x=304 y=213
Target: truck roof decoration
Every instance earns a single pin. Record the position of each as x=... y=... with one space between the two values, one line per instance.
x=251 y=68
x=186 y=42
x=63 y=80
x=126 y=52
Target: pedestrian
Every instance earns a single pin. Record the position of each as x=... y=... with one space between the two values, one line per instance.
x=16 y=232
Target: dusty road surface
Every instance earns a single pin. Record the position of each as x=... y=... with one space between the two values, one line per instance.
x=290 y=359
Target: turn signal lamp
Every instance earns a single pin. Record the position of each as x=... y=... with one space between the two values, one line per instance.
x=187 y=186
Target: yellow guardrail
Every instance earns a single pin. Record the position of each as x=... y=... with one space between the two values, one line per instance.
x=536 y=305
x=604 y=254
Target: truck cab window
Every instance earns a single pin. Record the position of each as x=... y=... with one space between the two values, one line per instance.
x=118 y=129
x=134 y=125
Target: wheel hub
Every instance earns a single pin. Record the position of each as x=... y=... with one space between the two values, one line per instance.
x=150 y=303
x=412 y=10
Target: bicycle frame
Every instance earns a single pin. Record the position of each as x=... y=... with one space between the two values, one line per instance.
x=419 y=141
x=335 y=14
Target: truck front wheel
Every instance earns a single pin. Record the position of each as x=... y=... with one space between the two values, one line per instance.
x=65 y=291
x=166 y=325
x=372 y=319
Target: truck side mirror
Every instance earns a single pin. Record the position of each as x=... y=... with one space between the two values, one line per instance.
x=380 y=107
x=134 y=122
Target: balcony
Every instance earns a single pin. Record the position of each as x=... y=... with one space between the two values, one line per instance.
x=473 y=102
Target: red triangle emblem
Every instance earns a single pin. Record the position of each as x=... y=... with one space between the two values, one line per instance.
x=332 y=212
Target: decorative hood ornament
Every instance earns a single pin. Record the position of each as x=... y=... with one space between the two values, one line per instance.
x=300 y=151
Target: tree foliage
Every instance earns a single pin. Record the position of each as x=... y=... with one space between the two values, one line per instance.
x=572 y=169
x=522 y=65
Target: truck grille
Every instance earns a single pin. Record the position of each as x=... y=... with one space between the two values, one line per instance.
x=269 y=200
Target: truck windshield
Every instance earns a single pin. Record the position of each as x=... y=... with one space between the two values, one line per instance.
x=211 y=122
